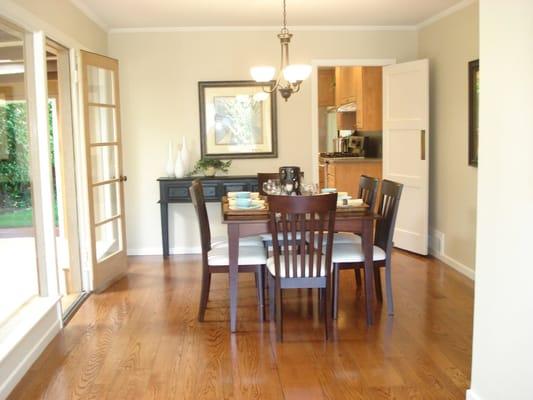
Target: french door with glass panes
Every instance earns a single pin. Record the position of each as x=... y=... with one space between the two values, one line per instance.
x=104 y=168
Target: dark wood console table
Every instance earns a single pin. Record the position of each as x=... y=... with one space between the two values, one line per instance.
x=176 y=190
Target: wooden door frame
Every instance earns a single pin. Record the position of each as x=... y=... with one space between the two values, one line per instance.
x=350 y=62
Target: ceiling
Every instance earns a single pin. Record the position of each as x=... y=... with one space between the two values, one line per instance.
x=204 y=13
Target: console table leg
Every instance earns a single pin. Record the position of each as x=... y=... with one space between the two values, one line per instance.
x=164 y=228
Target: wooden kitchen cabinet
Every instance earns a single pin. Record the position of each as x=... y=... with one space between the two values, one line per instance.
x=326 y=87
x=362 y=85
x=344 y=176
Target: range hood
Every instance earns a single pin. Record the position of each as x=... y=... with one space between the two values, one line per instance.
x=348 y=107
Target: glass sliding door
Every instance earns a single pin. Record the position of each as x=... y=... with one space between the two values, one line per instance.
x=63 y=175
x=18 y=266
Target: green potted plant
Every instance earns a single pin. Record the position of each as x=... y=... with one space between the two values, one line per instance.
x=210 y=166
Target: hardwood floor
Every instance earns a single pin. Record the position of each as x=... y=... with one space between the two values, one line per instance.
x=141 y=340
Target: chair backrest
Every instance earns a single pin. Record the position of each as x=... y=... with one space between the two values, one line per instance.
x=263 y=177
x=368 y=190
x=197 y=196
x=293 y=217
x=388 y=210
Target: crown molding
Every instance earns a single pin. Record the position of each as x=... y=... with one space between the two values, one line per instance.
x=80 y=5
x=445 y=13
x=295 y=28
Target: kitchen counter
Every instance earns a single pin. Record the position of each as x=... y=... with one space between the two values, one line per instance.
x=344 y=160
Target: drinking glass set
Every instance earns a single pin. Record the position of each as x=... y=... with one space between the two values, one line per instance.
x=274 y=187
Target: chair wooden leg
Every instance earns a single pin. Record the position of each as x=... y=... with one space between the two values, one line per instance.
x=271 y=297
x=336 y=278
x=279 y=314
x=377 y=283
x=357 y=272
x=327 y=311
x=260 y=292
x=204 y=295
x=388 y=283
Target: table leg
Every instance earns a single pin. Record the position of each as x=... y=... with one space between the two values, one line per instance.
x=368 y=251
x=233 y=243
x=164 y=228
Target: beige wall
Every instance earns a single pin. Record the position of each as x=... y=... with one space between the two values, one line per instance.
x=503 y=309
x=60 y=19
x=159 y=75
x=449 y=44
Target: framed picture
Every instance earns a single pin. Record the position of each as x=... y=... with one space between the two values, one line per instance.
x=237 y=120
x=473 y=112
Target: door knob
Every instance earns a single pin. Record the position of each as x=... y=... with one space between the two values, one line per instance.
x=123 y=178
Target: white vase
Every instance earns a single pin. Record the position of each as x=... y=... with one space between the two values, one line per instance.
x=169 y=169
x=185 y=155
x=179 y=171
x=210 y=171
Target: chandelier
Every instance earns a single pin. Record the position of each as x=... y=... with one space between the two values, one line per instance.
x=290 y=76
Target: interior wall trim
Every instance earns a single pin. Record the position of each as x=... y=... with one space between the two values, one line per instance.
x=445 y=13
x=266 y=28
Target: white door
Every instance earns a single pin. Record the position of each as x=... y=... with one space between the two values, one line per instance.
x=406 y=149
x=104 y=168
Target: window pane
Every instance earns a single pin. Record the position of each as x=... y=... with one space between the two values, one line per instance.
x=105 y=200
x=18 y=266
x=101 y=85
x=103 y=163
x=107 y=239
x=102 y=124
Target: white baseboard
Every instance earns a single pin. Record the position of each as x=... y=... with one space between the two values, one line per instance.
x=158 y=251
x=21 y=358
x=470 y=395
x=438 y=250
x=456 y=265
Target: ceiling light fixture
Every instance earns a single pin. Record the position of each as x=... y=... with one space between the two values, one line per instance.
x=293 y=74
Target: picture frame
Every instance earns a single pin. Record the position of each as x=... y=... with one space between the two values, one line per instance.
x=473 y=112
x=237 y=120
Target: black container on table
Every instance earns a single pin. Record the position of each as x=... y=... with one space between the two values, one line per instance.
x=290 y=175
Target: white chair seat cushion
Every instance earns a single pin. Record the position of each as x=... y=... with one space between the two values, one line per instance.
x=346 y=237
x=353 y=252
x=248 y=255
x=222 y=242
x=267 y=237
x=338 y=238
x=271 y=265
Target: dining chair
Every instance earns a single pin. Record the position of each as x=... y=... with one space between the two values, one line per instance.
x=261 y=178
x=368 y=190
x=351 y=256
x=305 y=269
x=252 y=258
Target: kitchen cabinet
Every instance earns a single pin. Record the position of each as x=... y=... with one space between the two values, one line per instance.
x=326 y=87
x=344 y=175
x=364 y=86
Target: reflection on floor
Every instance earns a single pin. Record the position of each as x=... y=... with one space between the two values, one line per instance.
x=140 y=339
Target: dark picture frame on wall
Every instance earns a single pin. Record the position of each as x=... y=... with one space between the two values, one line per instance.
x=473 y=112
x=237 y=120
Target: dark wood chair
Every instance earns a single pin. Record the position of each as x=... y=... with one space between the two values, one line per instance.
x=288 y=269
x=368 y=191
x=350 y=255
x=252 y=258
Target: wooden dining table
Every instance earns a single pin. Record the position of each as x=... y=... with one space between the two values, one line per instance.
x=243 y=224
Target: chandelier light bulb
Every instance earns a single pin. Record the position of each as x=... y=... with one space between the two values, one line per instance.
x=296 y=72
x=263 y=73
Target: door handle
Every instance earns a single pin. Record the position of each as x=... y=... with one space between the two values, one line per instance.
x=423 y=144
x=123 y=178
